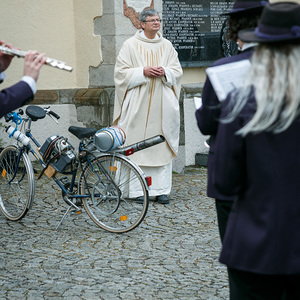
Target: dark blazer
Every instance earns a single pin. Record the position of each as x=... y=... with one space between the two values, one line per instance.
x=263 y=230
x=15 y=96
x=207 y=118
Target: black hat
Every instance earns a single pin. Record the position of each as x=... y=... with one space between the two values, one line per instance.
x=241 y=7
x=279 y=22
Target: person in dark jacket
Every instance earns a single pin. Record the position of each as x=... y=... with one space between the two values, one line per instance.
x=258 y=159
x=22 y=92
x=244 y=14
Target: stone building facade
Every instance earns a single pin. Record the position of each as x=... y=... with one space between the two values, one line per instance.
x=88 y=35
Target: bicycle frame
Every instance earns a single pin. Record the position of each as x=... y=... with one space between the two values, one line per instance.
x=105 y=178
x=94 y=153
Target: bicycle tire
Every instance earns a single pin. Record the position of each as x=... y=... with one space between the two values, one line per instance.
x=16 y=183
x=111 y=206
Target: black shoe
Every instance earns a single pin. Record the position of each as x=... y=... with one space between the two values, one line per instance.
x=162 y=199
x=140 y=199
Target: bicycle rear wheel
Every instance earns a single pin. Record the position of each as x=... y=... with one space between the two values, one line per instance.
x=16 y=183
x=109 y=181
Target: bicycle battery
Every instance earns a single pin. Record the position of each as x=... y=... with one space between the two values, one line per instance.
x=58 y=153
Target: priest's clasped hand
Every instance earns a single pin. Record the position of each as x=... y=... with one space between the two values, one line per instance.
x=154 y=71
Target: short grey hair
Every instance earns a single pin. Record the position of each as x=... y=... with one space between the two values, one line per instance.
x=146 y=13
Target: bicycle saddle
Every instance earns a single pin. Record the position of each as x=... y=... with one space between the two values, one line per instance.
x=82 y=132
x=35 y=112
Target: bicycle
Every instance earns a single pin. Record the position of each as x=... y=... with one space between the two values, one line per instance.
x=104 y=183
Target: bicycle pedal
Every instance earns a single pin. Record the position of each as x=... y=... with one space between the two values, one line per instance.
x=75 y=212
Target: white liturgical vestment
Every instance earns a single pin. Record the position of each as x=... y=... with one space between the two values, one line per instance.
x=144 y=106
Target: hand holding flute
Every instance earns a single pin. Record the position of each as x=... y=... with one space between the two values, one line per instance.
x=8 y=50
x=32 y=65
x=5 y=60
x=23 y=91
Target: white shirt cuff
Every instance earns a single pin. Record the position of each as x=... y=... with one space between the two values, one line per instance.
x=2 y=76
x=31 y=82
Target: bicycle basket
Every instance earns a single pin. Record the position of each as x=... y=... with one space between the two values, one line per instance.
x=58 y=152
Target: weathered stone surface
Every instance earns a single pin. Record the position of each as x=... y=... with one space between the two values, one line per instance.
x=45 y=96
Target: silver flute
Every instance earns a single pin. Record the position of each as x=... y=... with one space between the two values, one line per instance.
x=50 y=61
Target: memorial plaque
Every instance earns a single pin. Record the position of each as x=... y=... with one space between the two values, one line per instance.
x=194 y=28
x=132 y=9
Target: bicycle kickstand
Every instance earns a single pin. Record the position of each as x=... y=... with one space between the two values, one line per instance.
x=71 y=205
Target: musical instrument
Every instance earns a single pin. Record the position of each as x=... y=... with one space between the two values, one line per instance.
x=50 y=61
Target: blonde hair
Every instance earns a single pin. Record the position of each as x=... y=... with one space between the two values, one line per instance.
x=275 y=77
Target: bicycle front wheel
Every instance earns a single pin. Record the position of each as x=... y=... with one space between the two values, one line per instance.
x=112 y=184
x=16 y=183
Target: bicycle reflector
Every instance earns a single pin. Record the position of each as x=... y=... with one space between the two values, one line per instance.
x=129 y=151
x=149 y=180
x=123 y=218
x=113 y=168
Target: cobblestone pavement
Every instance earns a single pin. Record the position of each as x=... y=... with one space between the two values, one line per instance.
x=173 y=254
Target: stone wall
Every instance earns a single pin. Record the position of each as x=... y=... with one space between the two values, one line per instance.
x=94 y=106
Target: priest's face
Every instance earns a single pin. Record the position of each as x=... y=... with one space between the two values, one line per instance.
x=151 y=25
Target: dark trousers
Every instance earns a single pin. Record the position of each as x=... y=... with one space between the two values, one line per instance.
x=252 y=286
x=223 y=208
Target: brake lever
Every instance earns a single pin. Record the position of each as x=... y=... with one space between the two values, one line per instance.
x=54 y=119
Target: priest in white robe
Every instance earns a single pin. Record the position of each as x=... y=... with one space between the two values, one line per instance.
x=148 y=82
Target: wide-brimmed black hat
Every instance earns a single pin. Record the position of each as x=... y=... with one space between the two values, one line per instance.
x=241 y=7
x=279 y=22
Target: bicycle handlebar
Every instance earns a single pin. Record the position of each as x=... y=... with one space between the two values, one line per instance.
x=34 y=115
x=52 y=113
x=10 y=116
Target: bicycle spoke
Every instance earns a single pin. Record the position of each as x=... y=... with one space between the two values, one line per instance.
x=110 y=204
x=17 y=183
